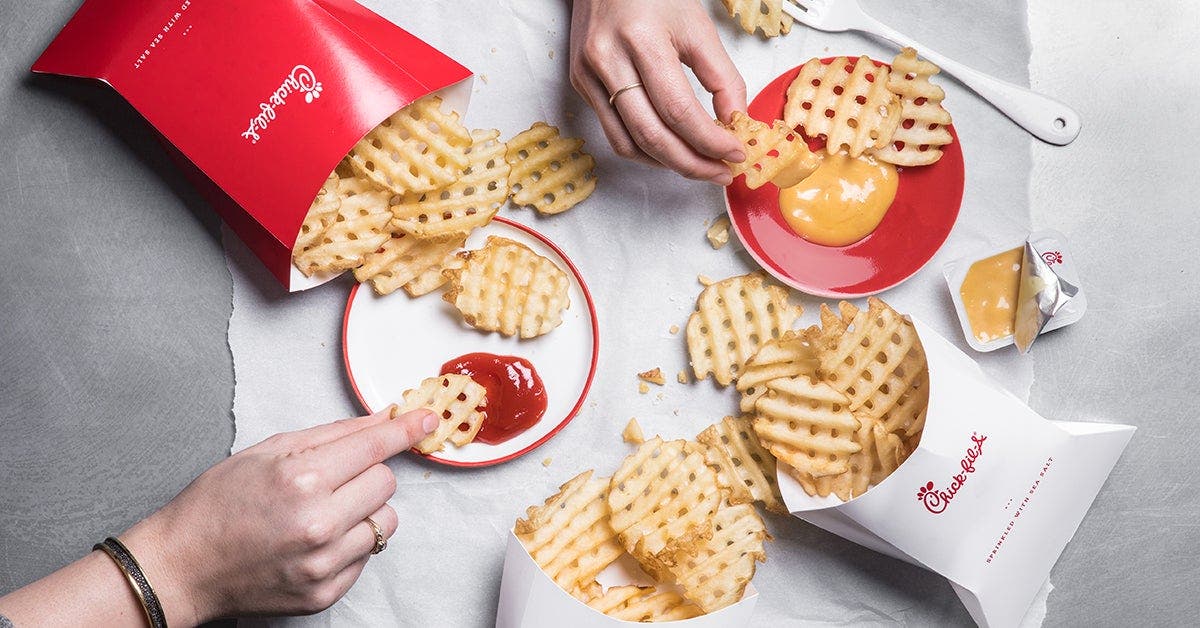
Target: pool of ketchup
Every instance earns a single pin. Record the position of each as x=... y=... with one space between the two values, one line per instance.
x=516 y=398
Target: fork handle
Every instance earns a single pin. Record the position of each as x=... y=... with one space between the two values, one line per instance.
x=1044 y=117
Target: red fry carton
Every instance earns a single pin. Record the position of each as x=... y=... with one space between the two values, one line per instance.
x=257 y=101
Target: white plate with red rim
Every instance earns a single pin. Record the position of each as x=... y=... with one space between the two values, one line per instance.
x=391 y=343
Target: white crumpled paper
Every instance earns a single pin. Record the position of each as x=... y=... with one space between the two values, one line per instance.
x=639 y=243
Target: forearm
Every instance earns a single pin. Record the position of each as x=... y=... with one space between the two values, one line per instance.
x=91 y=591
x=94 y=591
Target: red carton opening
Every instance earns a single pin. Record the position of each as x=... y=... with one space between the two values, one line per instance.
x=259 y=100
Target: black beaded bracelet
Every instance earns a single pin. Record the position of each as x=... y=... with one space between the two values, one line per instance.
x=137 y=580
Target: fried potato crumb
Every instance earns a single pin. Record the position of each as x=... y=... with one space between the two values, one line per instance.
x=643 y=388
x=718 y=233
x=654 y=376
x=674 y=329
x=705 y=280
x=682 y=376
x=546 y=461
x=633 y=432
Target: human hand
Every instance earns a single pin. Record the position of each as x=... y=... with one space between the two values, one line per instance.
x=278 y=528
x=616 y=43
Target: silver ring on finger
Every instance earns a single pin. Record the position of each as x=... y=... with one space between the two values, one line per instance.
x=613 y=97
x=380 y=542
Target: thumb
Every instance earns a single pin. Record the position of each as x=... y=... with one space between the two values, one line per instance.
x=417 y=423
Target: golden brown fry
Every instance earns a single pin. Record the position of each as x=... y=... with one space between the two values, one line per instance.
x=661 y=500
x=789 y=355
x=846 y=101
x=358 y=227
x=714 y=573
x=774 y=153
x=733 y=318
x=922 y=133
x=457 y=400
x=742 y=464
x=433 y=278
x=550 y=173
x=508 y=288
x=808 y=426
x=417 y=149
x=569 y=536
x=643 y=604
x=765 y=15
x=469 y=202
x=403 y=258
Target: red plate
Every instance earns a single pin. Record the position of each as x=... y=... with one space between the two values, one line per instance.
x=914 y=228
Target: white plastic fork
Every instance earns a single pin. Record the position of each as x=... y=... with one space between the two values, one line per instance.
x=1044 y=117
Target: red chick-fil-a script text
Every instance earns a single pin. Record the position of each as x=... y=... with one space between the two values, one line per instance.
x=937 y=499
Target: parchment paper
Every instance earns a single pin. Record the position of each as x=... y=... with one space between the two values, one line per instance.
x=639 y=243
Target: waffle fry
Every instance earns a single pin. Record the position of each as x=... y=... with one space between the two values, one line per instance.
x=875 y=359
x=321 y=214
x=403 y=258
x=733 y=318
x=457 y=399
x=765 y=15
x=661 y=500
x=714 y=574
x=569 y=536
x=789 y=355
x=643 y=604
x=857 y=478
x=358 y=228
x=906 y=416
x=469 y=202
x=742 y=464
x=922 y=131
x=890 y=453
x=508 y=288
x=848 y=102
x=774 y=153
x=550 y=173
x=417 y=149
x=807 y=425
x=433 y=278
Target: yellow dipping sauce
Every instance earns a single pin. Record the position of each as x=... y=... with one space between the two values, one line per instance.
x=989 y=294
x=842 y=202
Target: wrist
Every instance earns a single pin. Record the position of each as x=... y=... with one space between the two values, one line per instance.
x=177 y=577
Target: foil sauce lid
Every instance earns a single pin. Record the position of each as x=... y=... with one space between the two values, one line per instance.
x=1042 y=294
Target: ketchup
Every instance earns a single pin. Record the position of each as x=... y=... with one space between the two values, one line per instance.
x=516 y=398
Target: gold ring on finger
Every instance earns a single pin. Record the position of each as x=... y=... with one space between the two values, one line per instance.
x=613 y=98
x=380 y=542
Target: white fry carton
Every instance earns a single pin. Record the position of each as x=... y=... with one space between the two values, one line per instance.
x=990 y=497
x=530 y=599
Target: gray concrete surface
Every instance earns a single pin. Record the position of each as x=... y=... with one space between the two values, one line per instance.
x=115 y=378
x=116 y=383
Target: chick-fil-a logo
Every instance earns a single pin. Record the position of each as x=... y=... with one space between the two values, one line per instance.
x=301 y=80
x=936 y=500
x=1052 y=257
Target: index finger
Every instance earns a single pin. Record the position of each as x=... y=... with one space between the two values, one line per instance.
x=353 y=453
x=715 y=70
x=321 y=434
x=677 y=105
